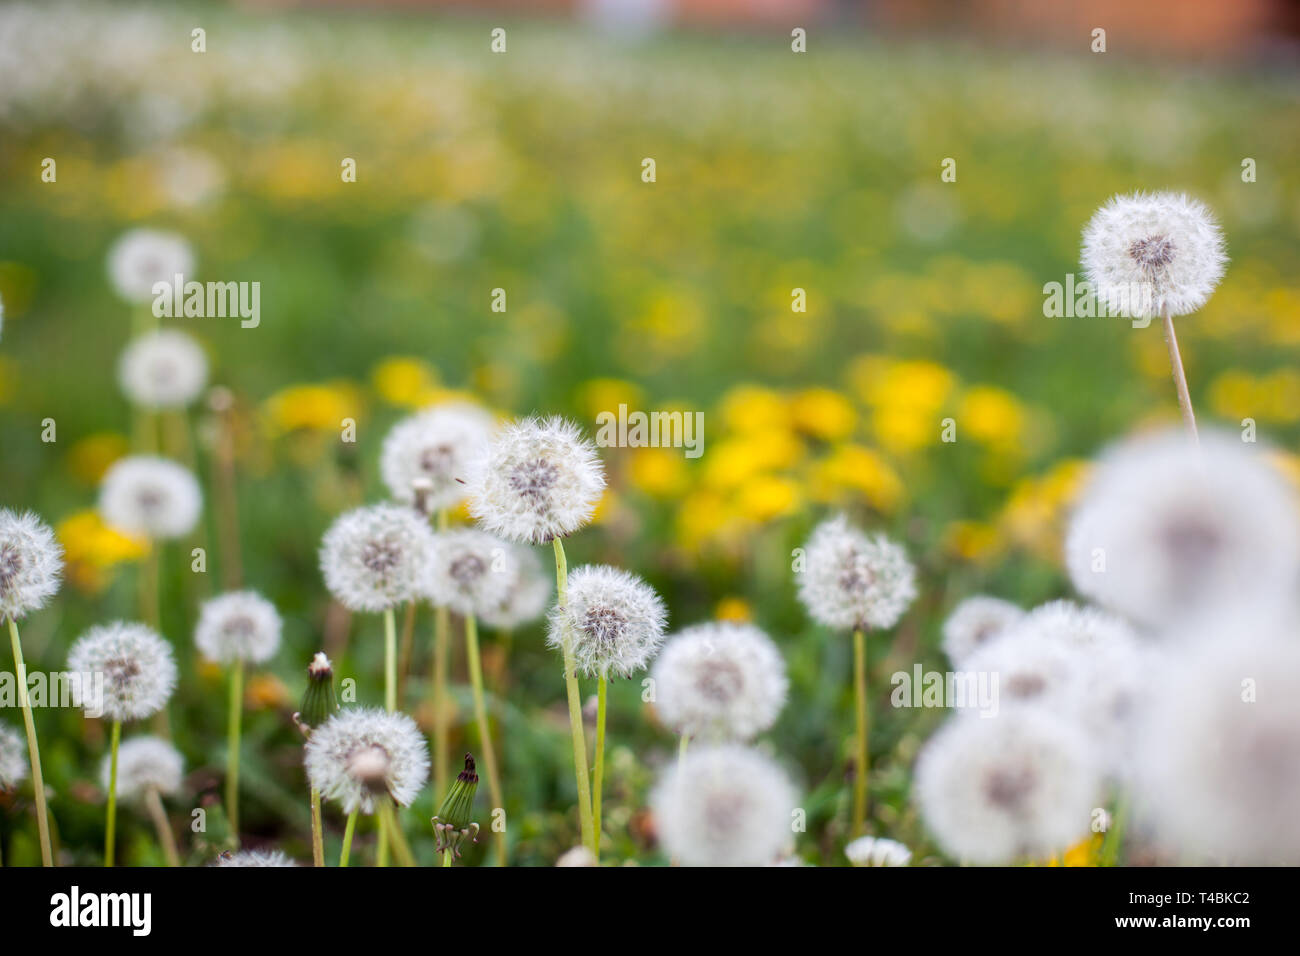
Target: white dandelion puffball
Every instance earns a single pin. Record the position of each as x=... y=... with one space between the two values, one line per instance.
x=471 y=571
x=720 y=681
x=975 y=622
x=254 y=858
x=150 y=497
x=31 y=564
x=1029 y=671
x=540 y=479
x=724 y=806
x=1083 y=628
x=135 y=664
x=528 y=596
x=359 y=754
x=13 y=758
x=144 y=764
x=239 y=626
x=577 y=856
x=612 y=620
x=877 y=851
x=853 y=581
x=1164 y=531
x=376 y=557
x=438 y=445
x=1147 y=250
x=164 y=369
x=142 y=257
x=1019 y=786
x=1217 y=772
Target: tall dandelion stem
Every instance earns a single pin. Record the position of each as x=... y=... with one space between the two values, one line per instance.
x=317 y=837
x=863 y=754
x=235 y=716
x=348 y=830
x=1180 y=376
x=389 y=825
x=598 y=775
x=390 y=661
x=484 y=728
x=166 y=839
x=33 y=752
x=575 y=711
x=110 y=830
x=441 y=730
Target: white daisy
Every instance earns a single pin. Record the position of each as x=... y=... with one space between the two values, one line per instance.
x=976 y=621
x=359 y=754
x=31 y=563
x=723 y=680
x=471 y=571
x=164 y=369
x=612 y=620
x=239 y=626
x=438 y=445
x=142 y=257
x=376 y=557
x=540 y=479
x=150 y=497
x=136 y=665
x=852 y=581
x=143 y=764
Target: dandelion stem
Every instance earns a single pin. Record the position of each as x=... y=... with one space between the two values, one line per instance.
x=317 y=838
x=226 y=500
x=575 y=708
x=390 y=660
x=1180 y=376
x=150 y=586
x=441 y=625
x=110 y=830
x=598 y=775
x=863 y=754
x=484 y=728
x=681 y=748
x=348 y=830
x=33 y=752
x=388 y=823
x=235 y=716
x=446 y=858
x=404 y=657
x=1115 y=835
x=166 y=839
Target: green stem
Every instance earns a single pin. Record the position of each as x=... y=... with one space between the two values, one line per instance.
x=111 y=828
x=389 y=825
x=598 y=775
x=446 y=858
x=33 y=752
x=863 y=755
x=166 y=839
x=681 y=749
x=350 y=829
x=1115 y=835
x=441 y=728
x=390 y=660
x=235 y=718
x=575 y=710
x=484 y=727
x=317 y=837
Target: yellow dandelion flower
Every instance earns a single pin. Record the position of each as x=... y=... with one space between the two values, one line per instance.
x=323 y=406
x=991 y=415
x=607 y=394
x=766 y=497
x=751 y=408
x=266 y=692
x=823 y=413
x=659 y=472
x=971 y=541
x=90 y=457
x=91 y=549
x=404 y=381
x=856 y=470
x=733 y=609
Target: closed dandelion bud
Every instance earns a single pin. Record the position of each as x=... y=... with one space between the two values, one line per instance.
x=452 y=824
x=319 y=702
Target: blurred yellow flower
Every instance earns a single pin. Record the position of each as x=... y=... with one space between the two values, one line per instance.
x=322 y=406
x=1275 y=397
x=266 y=692
x=855 y=469
x=659 y=472
x=702 y=515
x=971 y=540
x=405 y=381
x=1034 y=514
x=735 y=460
x=733 y=609
x=750 y=408
x=990 y=415
x=823 y=413
x=766 y=497
x=90 y=457
x=607 y=394
x=91 y=549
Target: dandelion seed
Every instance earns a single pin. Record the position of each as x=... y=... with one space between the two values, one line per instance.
x=254 y=858
x=1167 y=245
x=975 y=622
x=360 y=755
x=436 y=445
x=540 y=479
x=611 y=620
x=1164 y=532
x=720 y=681
x=1018 y=786
x=877 y=851
x=31 y=563
x=376 y=557
x=138 y=671
x=164 y=369
x=145 y=763
x=150 y=497
x=527 y=596
x=141 y=258
x=852 y=581
x=470 y=571
x=724 y=806
x=13 y=758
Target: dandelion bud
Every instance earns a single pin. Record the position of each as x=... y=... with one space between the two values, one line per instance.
x=319 y=702
x=452 y=824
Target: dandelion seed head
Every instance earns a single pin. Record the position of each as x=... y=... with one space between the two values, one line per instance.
x=360 y=754
x=142 y=257
x=1166 y=244
x=877 y=851
x=975 y=622
x=13 y=758
x=138 y=671
x=720 y=681
x=254 y=858
x=471 y=571
x=854 y=581
x=613 y=621
x=1013 y=787
x=31 y=564
x=1164 y=531
x=1030 y=671
x=239 y=626
x=376 y=557
x=150 y=497
x=163 y=369
x=436 y=445
x=723 y=806
x=539 y=479
x=143 y=764
x=577 y=856
x=528 y=596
